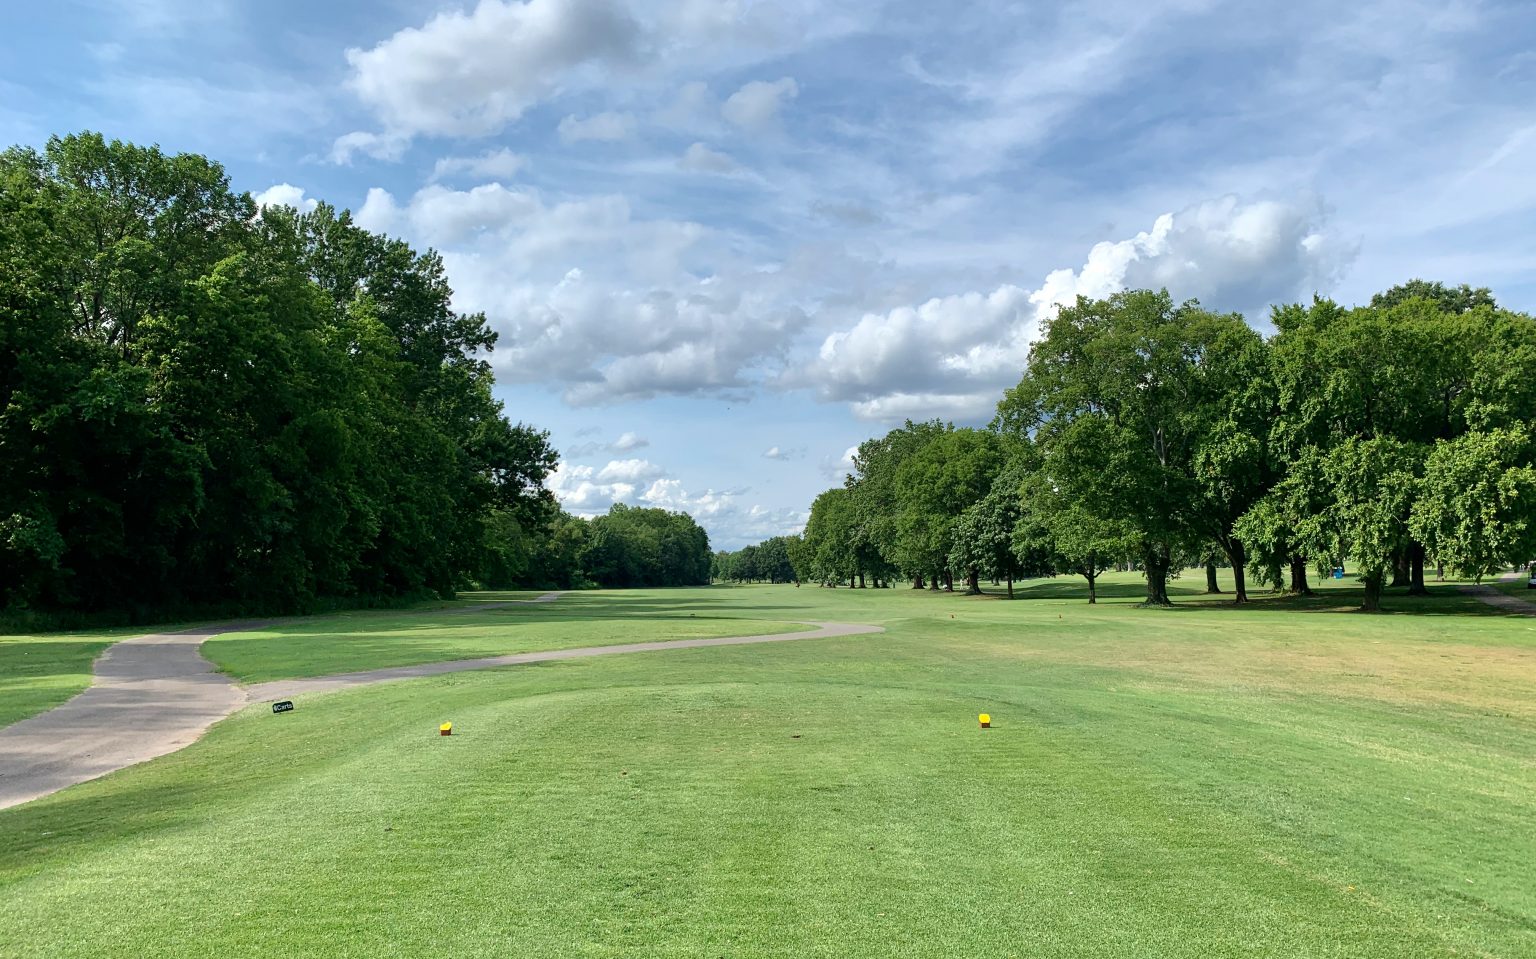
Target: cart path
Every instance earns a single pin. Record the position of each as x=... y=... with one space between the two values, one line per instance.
x=289 y=688
x=152 y=695
x=1493 y=597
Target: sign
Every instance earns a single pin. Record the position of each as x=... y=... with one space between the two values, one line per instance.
x=286 y=706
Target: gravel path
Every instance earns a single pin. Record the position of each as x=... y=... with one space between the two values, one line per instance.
x=152 y=695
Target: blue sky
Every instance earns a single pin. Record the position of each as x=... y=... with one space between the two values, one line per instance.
x=724 y=241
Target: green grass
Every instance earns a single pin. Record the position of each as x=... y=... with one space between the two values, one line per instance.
x=1269 y=781
x=39 y=671
x=375 y=640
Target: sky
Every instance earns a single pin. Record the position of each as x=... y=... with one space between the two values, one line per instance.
x=724 y=241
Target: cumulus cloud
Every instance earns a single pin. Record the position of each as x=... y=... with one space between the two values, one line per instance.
x=472 y=73
x=285 y=194
x=952 y=355
x=443 y=216
x=500 y=164
x=629 y=471
x=577 y=490
x=380 y=146
x=663 y=313
x=601 y=126
x=780 y=453
x=730 y=521
x=704 y=160
x=756 y=107
x=1228 y=253
x=971 y=343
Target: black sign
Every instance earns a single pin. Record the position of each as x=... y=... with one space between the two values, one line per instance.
x=286 y=706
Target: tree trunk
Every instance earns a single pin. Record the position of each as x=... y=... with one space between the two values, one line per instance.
x=1400 y=573
x=1372 y=601
x=917 y=581
x=949 y=581
x=1010 y=585
x=1157 y=562
x=1239 y=557
x=1299 y=584
x=861 y=579
x=933 y=583
x=1211 y=586
x=973 y=584
x=1416 y=585
x=850 y=581
x=1093 y=593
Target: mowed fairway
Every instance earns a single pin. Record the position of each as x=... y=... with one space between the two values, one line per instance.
x=1285 y=780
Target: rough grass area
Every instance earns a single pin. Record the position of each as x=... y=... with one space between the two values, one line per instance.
x=1189 y=783
x=372 y=640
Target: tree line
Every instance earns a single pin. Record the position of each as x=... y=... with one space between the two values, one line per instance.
x=768 y=562
x=1151 y=434
x=208 y=406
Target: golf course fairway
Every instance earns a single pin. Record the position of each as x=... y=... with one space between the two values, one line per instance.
x=1288 y=779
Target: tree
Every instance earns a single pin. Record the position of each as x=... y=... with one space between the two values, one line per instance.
x=934 y=487
x=206 y=409
x=1422 y=366
x=1449 y=300
x=1369 y=487
x=1068 y=537
x=1121 y=394
x=829 y=556
x=876 y=506
x=1476 y=509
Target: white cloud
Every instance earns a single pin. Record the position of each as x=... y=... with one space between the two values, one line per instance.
x=578 y=490
x=669 y=494
x=500 y=164
x=583 y=491
x=836 y=468
x=951 y=356
x=470 y=74
x=662 y=313
x=285 y=194
x=701 y=158
x=756 y=106
x=629 y=471
x=601 y=126
x=779 y=453
x=972 y=342
x=442 y=216
x=624 y=444
x=380 y=146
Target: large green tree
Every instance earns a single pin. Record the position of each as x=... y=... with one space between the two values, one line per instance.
x=201 y=407
x=1128 y=398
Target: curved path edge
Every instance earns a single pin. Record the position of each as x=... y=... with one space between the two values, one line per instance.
x=153 y=695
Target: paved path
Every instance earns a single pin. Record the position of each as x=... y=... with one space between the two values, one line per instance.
x=152 y=695
x=289 y=688
x=1493 y=597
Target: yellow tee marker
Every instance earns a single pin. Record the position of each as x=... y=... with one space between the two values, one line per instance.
x=446 y=729
x=986 y=720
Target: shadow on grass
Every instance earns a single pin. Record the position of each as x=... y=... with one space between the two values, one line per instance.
x=1444 y=599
